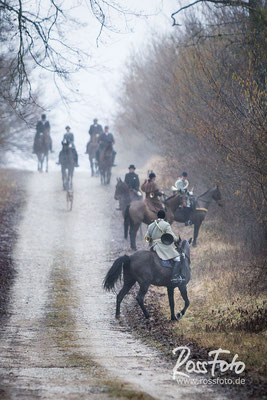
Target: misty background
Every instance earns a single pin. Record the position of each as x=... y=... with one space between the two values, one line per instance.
x=92 y=91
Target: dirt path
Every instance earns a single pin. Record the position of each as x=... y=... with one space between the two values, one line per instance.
x=61 y=340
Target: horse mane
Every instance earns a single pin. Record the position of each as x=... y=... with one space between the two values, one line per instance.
x=171 y=197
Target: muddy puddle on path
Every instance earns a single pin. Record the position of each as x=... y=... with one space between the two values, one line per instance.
x=62 y=341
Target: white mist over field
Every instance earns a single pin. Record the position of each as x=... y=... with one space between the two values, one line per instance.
x=93 y=90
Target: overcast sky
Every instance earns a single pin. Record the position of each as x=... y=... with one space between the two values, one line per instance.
x=99 y=83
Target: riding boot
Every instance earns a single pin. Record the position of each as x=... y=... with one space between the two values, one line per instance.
x=176 y=272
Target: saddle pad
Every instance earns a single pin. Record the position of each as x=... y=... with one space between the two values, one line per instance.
x=166 y=263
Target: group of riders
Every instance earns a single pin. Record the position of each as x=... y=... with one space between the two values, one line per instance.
x=96 y=132
x=165 y=250
x=153 y=193
x=159 y=234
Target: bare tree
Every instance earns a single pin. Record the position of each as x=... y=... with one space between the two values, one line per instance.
x=37 y=38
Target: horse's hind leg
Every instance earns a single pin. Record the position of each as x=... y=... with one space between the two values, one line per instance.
x=63 y=172
x=46 y=163
x=140 y=298
x=126 y=227
x=171 y=302
x=183 y=291
x=122 y=293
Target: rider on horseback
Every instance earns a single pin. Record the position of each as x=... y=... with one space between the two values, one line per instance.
x=62 y=154
x=152 y=193
x=42 y=127
x=95 y=129
x=103 y=140
x=132 y=181
x=181 y=186
x=164 y=251
x=69 y=137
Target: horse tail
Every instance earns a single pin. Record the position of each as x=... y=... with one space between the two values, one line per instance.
x=114 y=273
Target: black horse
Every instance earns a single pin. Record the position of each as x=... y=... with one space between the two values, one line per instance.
x=145 y=268
x=200 y=209
x=105 y=163
x=67 y=161
x=42 y=146
x=91 y=149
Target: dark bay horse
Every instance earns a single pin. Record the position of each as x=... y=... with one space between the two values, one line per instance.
x=137 y=211
x=145 y=268
x=41 y=148
x=105 y=163
x=91 y=149
x=66 y=159
x=200 y=209
x=125 y=196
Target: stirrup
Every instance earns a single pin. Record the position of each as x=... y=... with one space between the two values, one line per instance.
x=177 y=279
x=188 y=223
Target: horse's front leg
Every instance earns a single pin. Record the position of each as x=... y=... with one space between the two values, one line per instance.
x=63 y=173
x=197 y=225
x=171 y=302
x=183 y=291
x=46 y=162
x=133 y=233
x=42 y=162
x=140 y=298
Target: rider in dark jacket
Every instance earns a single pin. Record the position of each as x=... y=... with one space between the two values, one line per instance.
x=95 y=129
x=132 y=179
x=69 y=137
x=105 y=138
x=42 y=126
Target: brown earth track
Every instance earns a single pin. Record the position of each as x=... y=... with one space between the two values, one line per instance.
x=159 y=331
x=12 y=200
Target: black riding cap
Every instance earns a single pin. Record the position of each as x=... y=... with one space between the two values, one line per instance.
x=43 y=116
x=161 y=214
x=67 y=127
x=131 y=166
x=152 y=175
x=184 y=174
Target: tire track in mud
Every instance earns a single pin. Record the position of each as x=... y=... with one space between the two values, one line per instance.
x=61 y=340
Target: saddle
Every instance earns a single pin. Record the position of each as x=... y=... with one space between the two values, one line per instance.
x=164 y=263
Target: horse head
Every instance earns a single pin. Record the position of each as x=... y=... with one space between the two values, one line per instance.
x=121 y=189
x=216 y=195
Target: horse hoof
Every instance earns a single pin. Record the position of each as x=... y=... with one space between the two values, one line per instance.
x=194 y=245
x=147 y=316
x=174 y=318
x=118 y=316
x=179 y=316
